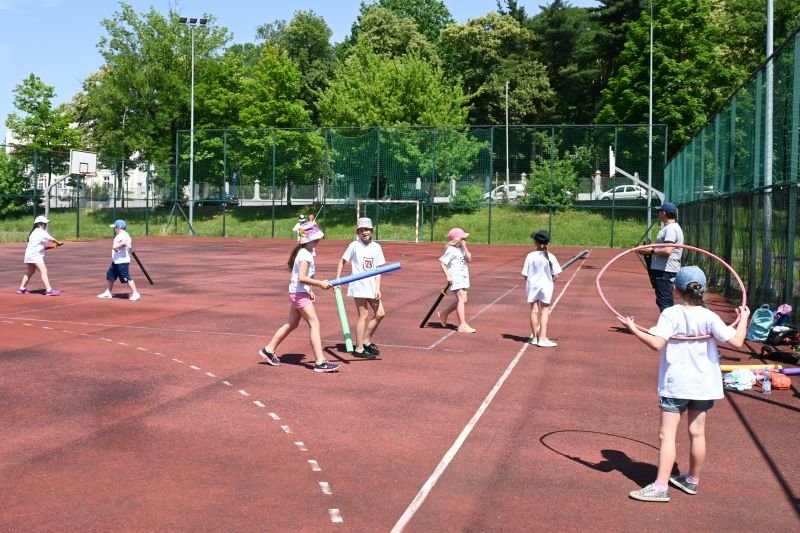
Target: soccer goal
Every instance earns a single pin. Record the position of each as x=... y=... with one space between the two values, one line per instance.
x=394 y=220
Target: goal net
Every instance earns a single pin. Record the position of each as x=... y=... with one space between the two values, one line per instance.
x=394 y=220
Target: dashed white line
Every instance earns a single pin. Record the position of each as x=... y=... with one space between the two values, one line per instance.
x=142 y=349
x=104 y=339
x=210 y=374
x=314 y=465
x=45 y=327
x=325 y=487
x=244 y=392
x=274 y=416
x=258 y=403
x=228 y=383
x=301 y=446
x=177 y=360
x=26 y=324
x=336 y=516
x=122 y=343
x=286 y=429
x=194 y=367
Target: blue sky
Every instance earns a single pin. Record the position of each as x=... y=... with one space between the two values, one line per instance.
x=57 y=39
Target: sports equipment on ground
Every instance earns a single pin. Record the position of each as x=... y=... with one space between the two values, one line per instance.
x=435 y=305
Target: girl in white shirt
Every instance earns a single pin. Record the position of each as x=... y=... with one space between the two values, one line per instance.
x=541 y=269
x=39 y=241
x=455 y=266
x=688 y=378
x=301 y=263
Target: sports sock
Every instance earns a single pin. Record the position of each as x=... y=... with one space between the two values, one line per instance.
x=659 y=486
x=693 y=480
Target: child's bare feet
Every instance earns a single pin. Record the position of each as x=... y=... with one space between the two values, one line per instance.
x=466 y=328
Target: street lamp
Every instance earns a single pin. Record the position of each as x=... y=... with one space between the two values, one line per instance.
x=192 y=23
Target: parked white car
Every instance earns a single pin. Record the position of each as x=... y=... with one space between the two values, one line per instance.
x=624 y=192
x=515 y=190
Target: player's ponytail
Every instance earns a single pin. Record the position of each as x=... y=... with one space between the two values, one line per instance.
x=693 y=295
x=542 y=238
x=293 y=255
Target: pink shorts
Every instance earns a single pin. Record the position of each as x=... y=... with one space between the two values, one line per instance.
x=300 y=299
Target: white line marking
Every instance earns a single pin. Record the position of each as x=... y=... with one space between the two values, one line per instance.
x=85 y=335
x=301 y=446
x=336 y=516
x=451 y=453
x=210 y=374
x=325 y=487
x=104 y=339
x=258 y=403
x=476 y=315
x=244 y=392
x=194 y=367
x=286 y=429
x=158 y=353
x=177 y=360
x=142 y=349
x=122 y=343
x=228 y=383
x=314 y=465
x=25 y=324
x=67 y=331
x=45 y=327
x=274 y=416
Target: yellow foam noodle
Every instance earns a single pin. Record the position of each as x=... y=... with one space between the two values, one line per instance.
x=731 y=368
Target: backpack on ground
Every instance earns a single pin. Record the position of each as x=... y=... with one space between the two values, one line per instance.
x=783 y=336
x=780 y=356
x=760 y=324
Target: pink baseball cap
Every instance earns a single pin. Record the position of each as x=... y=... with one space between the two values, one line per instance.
x=457 y=233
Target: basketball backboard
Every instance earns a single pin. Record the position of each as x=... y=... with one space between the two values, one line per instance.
x=612 y=163
x=84 y=163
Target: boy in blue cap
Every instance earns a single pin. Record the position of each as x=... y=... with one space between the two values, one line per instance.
x=120 y=261
x=666 y=261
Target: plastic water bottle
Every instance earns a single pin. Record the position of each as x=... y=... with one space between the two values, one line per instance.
x=766 y=382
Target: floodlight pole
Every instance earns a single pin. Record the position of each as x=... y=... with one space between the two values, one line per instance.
x=766 y=289
x=507 y=167
x=192 y=23
x=650 y=130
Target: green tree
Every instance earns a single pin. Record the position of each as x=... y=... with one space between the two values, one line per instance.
x=689 y=77
x=307 y=41
x=38 y=124
x=390 y=34
x=554 y=178
x=15 y=193
x=567 y=46
x=140 y=98
x=613 y=19
x=430 y=16
x=485 y=53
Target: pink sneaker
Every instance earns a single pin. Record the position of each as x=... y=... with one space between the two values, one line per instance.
x=22 y=291
x=52 y=292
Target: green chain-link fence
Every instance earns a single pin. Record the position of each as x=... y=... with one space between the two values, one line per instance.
x=738 y=198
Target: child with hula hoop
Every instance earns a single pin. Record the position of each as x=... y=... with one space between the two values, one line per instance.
x=689 y=378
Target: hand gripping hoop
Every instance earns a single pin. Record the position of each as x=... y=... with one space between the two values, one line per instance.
x=665 y=245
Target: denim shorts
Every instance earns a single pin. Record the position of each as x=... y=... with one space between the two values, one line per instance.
x=679 y=405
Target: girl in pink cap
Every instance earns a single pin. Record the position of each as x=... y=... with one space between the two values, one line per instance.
x=455 y=267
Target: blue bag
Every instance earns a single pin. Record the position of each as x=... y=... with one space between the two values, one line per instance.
x=760 y=324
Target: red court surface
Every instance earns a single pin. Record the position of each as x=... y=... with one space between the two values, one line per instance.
x=159 y=414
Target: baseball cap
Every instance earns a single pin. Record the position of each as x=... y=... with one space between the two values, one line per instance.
x=309 y=232
x=301 y=218
x=364 y=222
x=457 y=233
x=669 y=208
x=41 y=220
x=541 y=236
x=687 y=275
x=119 y=224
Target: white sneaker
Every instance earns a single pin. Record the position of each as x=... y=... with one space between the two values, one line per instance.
x=135 y=296
x=105 y=294
x=546 y=343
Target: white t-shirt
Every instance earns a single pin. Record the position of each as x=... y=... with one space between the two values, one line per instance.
x=689 y=369
x=37 y=240
x=455 y=260
x=121 y=256
x=363 y=258
x=539 y=279
x=303 y=255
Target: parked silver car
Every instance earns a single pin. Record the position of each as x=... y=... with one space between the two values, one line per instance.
x=624 y=192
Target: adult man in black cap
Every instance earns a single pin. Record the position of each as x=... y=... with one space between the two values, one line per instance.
x=666 y=261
